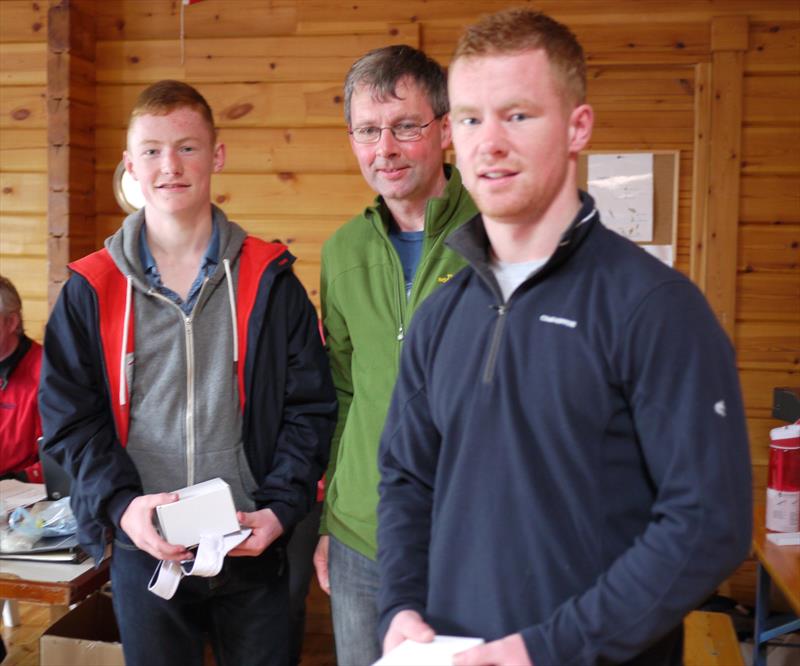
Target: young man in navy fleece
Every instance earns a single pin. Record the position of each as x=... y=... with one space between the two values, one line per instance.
x=565 y=467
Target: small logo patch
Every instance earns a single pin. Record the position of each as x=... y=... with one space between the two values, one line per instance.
x=560 y=321
x=719 y=408
x=444 y=278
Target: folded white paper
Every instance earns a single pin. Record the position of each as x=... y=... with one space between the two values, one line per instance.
x=437 y=653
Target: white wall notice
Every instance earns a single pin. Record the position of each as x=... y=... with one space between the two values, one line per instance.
x=622 y=187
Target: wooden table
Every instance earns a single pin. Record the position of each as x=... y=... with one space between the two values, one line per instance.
x=55 y=584
x=779 y=565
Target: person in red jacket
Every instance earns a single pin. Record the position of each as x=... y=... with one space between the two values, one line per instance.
x=20 y=362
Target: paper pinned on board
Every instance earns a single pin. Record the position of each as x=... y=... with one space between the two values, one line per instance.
x=662 y=252
x=622 y=187
x=437 y=653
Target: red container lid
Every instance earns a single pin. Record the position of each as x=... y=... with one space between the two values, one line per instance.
x=786 y=436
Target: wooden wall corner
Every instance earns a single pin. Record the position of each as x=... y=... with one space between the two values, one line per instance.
x=70 y=136
x=729 y=33
x=718 y=116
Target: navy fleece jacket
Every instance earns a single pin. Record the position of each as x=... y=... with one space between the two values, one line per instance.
x=572 y=464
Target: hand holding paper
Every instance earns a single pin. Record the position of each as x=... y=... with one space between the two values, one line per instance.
x=407 y=624
x=266 y=528
x=508 y=651
x=440 y=651
x=137 y=523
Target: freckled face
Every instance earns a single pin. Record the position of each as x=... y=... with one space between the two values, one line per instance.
x=172 y=156
x=514 y=133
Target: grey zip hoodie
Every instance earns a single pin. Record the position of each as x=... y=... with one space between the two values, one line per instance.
x=185 y=417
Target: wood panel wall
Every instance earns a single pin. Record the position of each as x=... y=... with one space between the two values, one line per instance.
x=767 y=289
x=719 y=81
x=23 y=156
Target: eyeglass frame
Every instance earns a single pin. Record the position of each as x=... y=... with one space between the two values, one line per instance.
x=391 y=128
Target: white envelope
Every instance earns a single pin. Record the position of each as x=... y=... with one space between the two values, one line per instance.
x=438 y=653
x=203 y=509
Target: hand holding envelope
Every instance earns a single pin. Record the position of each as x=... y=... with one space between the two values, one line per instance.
x=137 y=523
x=203 y=515
x=438 y=652
x=411 y=641
x=266 y=528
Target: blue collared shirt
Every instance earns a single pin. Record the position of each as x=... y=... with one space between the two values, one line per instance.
x=207 y=268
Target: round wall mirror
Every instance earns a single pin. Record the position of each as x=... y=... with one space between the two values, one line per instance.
x=126 y=190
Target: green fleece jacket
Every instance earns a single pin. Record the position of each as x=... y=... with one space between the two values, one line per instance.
x=365 y=313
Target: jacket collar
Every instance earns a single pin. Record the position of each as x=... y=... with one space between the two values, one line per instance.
x=438 y=212
x=472 y=243
x=10 y=362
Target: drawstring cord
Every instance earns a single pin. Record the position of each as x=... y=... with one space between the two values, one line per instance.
x=123 y=384
x=123 y=389
x=232 y=302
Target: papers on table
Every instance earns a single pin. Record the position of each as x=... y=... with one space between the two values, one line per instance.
x=438 y=653
x=15 y=493
x=46 y=549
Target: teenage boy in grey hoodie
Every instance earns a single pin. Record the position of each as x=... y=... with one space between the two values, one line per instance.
x=182 y=351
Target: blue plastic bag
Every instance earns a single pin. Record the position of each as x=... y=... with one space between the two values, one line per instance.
x=55 y=519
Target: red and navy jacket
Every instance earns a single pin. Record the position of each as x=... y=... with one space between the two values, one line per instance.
x=287 y=396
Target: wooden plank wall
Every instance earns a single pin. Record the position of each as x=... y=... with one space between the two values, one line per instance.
x=767 y=335
x=273 y=69
x=23 y=155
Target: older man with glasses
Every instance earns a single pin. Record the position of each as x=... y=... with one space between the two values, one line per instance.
x=376 y=270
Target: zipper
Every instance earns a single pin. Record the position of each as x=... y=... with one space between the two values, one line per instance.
x=188 y=333
x=189 y=400
x=423 y=264
x=401 y=333
x=494 y=345
x=401 y=293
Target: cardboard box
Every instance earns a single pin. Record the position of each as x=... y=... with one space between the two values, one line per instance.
x=86 y=636
x=203 y=509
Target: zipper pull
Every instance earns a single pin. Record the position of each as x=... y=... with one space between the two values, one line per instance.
x=401 y=334
x=501 y=309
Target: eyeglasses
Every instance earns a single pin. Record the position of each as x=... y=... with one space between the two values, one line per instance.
x=401 y=132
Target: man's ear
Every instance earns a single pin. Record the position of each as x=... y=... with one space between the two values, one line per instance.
x=581 y=122
x=14 y=320
x=128 y=164
x=447 y=134
x=219 y=157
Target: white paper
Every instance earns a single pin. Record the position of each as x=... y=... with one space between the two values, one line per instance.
x=784 y=538
x=662 y=252
x=15 y=493
x=622 y=187
x=438 y=653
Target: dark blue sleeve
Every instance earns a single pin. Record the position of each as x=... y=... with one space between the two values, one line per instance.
x=680 y=379
x=407 y=460
x=77 y=421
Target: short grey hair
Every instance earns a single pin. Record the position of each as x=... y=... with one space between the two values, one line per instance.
x=10 y=302
x=382 y=69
